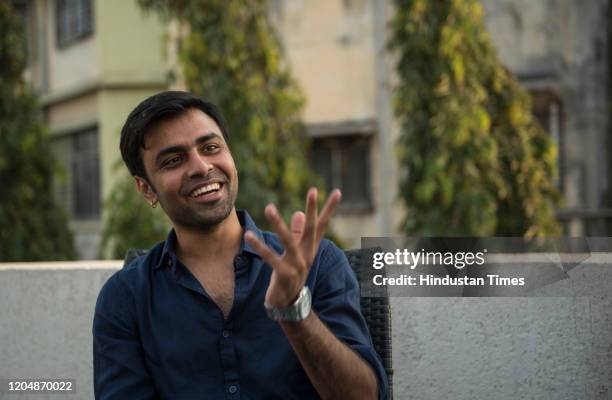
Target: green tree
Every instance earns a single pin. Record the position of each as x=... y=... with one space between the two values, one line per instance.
x=130 y=222
x=476 y=161
x=232 y=56
x=34 y=228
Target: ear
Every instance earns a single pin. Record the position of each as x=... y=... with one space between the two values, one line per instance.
x=146 y=189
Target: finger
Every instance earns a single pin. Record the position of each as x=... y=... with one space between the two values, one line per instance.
x=297 y=225
x=279 y=226
x=311 y=217
x=268 y=254
x=326 y=213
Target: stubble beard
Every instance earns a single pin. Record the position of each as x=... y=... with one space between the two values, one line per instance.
x=206 y=217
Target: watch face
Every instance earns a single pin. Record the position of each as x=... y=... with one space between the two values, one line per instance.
x=305 y=306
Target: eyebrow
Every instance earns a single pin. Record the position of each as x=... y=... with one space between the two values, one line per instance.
x=178 y=149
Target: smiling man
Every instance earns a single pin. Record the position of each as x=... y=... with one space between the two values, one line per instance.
x=221 y=309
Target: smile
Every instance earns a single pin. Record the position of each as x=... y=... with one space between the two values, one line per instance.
x=210 y=188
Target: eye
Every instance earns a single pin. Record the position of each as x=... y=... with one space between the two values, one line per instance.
x=211 y=147
x=171 y=161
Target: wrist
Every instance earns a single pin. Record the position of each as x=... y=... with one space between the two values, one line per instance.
x=298 y=328
x=298 y=310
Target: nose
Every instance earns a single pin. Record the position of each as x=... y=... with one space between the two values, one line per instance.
x=199 y=165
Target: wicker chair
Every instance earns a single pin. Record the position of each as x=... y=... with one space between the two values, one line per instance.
x=376 y=310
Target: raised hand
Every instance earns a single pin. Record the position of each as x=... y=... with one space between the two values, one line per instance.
x=301 y=243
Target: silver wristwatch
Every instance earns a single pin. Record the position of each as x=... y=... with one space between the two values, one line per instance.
x=298 y=311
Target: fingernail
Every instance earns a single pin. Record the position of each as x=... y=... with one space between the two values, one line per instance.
x=271 y=210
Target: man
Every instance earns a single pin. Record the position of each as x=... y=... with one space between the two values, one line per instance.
x=222 y=309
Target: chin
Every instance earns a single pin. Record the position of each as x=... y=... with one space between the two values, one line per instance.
x=203 y=220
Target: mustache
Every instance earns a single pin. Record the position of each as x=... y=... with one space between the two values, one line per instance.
x=194 y=183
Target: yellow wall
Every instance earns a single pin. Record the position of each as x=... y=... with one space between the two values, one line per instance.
x=330 y=47
x=132 y=68
x=131 y=43
x=73 y=65
x=115 y=105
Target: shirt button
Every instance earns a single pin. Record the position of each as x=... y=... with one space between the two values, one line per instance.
x=225 y=333
x=232 y=389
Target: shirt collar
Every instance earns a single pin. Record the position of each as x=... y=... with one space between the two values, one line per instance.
x=168 y=256
x=248 y=225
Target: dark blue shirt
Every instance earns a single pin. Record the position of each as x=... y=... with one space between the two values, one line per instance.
x=157 y=334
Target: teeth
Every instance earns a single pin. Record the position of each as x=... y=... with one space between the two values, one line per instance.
x=205 y=189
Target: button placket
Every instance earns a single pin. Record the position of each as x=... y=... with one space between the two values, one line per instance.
x=229 y=362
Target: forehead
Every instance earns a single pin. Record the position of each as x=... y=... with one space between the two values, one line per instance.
x=181 y=130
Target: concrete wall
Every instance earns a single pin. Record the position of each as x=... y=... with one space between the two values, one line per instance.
x=502 y=348
x=558 y=346
x=444 y=348
x=46 y=313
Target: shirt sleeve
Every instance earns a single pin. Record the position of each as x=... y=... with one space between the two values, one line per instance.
x=118 y=358
x=336 y=300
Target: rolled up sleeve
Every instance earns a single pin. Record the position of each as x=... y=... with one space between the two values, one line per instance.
x=336 y=300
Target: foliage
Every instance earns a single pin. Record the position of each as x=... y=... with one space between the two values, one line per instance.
x=34 y=228
x=477 y=162
x=232 y=56
x=130 y=222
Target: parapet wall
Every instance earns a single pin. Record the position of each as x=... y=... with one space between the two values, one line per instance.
x=443 y=348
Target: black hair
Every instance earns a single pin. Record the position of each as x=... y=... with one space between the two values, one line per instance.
x=149 y=112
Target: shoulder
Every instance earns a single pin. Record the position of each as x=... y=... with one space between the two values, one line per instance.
x=331 y=267
x=125 y=284
x=331 y=255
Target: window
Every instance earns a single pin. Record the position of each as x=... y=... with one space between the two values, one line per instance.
x=344 y=162
x=86 y=174
x=78 y=189
x=548 y=110
x=74 y=20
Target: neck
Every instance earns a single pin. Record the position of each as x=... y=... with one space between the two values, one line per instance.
x=220 y=241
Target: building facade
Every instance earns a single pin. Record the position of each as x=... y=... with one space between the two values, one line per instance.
x=92 y=61
x=561 y=51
